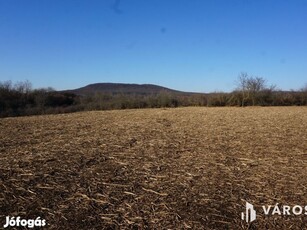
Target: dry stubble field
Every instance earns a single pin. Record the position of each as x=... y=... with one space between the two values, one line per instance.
x=155 y=168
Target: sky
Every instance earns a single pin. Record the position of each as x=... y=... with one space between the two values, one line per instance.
x=188 y=45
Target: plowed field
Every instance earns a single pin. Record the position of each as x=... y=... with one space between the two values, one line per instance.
x=183 y=168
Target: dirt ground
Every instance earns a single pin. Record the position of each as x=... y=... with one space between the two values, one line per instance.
x=182 y=168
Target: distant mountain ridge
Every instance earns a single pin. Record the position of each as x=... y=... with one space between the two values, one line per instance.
x=123 y=88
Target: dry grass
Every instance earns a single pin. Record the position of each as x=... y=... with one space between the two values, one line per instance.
x=155 y=168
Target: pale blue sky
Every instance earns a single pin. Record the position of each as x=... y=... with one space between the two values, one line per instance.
x=189 y=45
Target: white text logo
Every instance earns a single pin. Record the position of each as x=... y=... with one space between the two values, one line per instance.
x=18 y=222
x=270 y=210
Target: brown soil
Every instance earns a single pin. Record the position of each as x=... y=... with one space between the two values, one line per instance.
x=155 y=168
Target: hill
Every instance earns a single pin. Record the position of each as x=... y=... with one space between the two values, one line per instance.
x=124 y=89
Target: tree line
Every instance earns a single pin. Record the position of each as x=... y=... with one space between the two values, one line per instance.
x=21 y=99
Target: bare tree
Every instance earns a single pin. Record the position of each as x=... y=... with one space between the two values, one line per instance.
x=250 y=87
x=254 y=86
x=23 y=87
x=242 y=86
x=6 y=85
